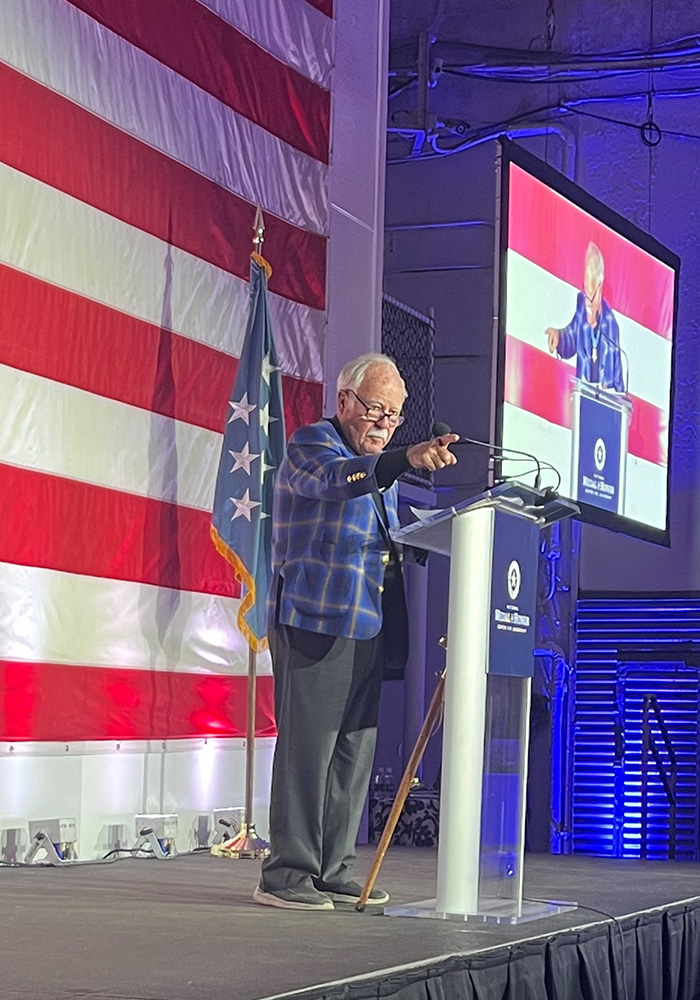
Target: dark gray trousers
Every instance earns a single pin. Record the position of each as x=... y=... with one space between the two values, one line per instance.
x=326 y=703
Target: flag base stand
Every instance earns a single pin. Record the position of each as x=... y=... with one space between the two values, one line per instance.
x=246 y=844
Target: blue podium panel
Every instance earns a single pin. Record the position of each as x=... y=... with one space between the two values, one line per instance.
x=600 y=455
x=513 y=596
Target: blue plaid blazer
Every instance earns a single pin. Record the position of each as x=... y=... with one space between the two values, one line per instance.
x=598 y=353
x=329 y=541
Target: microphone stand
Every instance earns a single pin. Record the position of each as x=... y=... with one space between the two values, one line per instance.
x=440 y=428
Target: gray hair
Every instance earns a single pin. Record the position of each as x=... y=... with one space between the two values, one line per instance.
x=595 y=265
x=352 y=374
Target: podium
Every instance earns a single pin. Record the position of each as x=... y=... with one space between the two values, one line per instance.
x=493 y=543
x=601 y=421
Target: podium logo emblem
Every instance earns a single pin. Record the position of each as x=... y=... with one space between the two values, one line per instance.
x=514 y=579
x=599 y=454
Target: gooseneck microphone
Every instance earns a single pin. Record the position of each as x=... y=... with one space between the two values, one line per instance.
x=439 y=428
x=616 y=347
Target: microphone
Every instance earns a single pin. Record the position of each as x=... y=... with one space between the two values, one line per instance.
x=616 y=346
x=439 y=428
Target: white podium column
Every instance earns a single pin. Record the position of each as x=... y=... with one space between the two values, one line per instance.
x=465 y=712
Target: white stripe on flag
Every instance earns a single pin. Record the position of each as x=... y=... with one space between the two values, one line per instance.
x=104 y=442
x=550 y=442
x=57 y=45
x=79 y=248
x=55 y=617
x=645 y=492
x=294 y=31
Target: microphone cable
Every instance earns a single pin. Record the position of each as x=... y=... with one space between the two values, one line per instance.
x=439 y=428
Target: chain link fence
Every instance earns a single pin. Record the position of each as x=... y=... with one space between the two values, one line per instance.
x=408 y=337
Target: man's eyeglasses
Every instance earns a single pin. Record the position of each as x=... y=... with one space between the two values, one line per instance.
x=590 y=299
x=376 y=413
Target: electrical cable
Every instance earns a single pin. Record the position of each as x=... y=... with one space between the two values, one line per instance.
x=488 y=133
x=678 y=46
x=632 y=125
x=521 y=62
x=649 y=132
x=401 y=88
x=544 y=467
x=680 y=54
x=48 y=864
x=126 y=850
x=142 y=852
x=514 y=74
x=546 y=74
x=601 y=913
x=636 y=95
x=550 y=31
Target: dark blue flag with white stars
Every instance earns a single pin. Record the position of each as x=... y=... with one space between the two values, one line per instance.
x=254 y=446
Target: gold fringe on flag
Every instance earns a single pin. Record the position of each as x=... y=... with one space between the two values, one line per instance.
x=248 y=583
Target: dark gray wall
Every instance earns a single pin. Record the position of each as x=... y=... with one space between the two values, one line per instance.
x=450 y=267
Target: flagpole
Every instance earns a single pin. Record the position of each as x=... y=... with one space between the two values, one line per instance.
x=247 y=843
x=250 y=749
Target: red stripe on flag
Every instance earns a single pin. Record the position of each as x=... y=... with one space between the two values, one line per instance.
x=71 y=339
x=199 y=45
x=553 y=233
x=50 y=138
x=648 y=433
x=50 y=701
x=303 y=402
x=62 y=524
x=538 y=383
x=541 y=384
x=325 y=6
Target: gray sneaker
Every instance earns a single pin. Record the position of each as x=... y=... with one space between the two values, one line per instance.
x=350 y=892
x=303 y=898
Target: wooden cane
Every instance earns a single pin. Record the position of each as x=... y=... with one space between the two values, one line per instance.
x=403 y=790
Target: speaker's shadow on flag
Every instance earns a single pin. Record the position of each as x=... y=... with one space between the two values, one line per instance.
x=162 y=527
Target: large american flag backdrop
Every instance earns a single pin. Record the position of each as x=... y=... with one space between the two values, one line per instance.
x=137 y=138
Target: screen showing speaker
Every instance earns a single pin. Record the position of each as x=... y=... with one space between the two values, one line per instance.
x=586 y=325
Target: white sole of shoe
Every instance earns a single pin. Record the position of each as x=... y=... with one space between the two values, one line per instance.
x=268 y=899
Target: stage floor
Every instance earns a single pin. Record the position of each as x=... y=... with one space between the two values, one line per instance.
x=186 y=928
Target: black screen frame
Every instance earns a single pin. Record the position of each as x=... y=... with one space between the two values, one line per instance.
x=509 y=153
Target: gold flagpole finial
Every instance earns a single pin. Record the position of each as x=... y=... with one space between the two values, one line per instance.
x=259 y=228
x=258 y=240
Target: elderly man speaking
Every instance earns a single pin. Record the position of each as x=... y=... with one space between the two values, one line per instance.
x=335 y=503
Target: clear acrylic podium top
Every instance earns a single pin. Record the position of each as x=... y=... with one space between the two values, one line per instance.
x=433 y=529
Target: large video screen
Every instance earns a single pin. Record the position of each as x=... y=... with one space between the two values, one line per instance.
x=587 y=305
